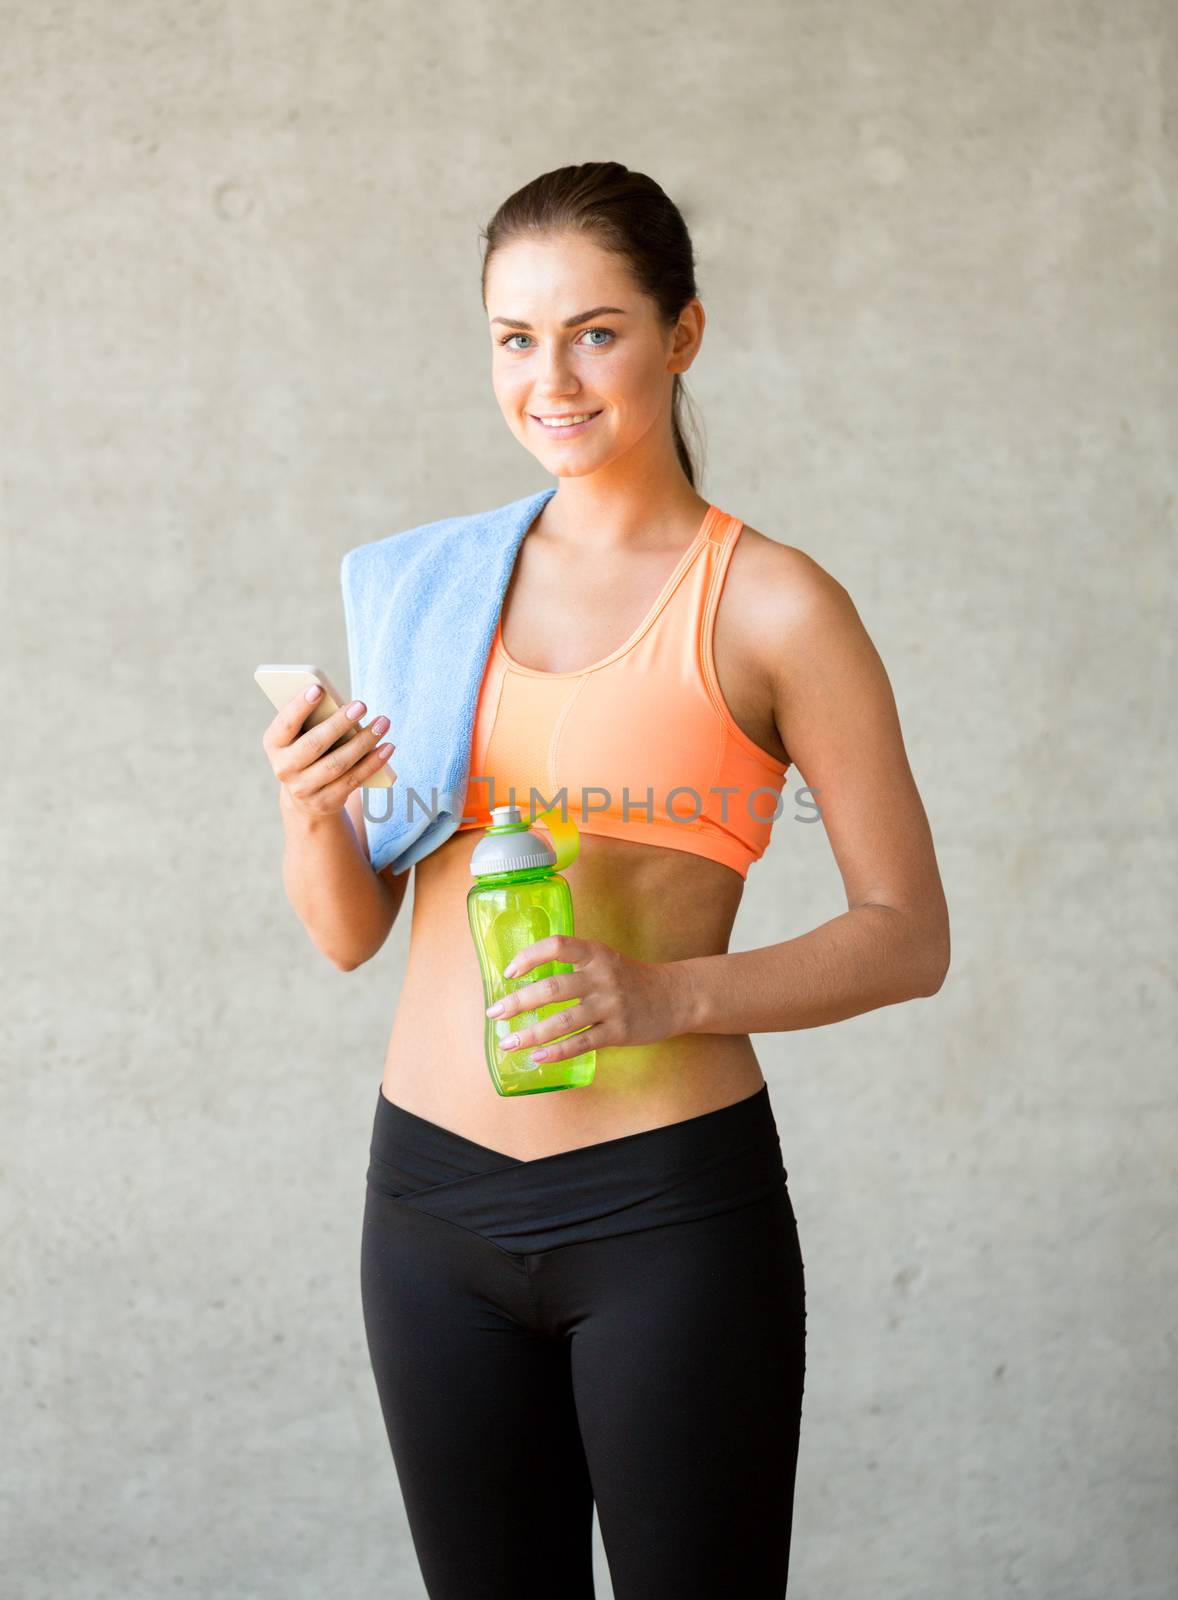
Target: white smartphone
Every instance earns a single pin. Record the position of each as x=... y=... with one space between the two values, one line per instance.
x=281 y=682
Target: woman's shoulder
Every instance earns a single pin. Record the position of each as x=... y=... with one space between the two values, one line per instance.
x=777 y=583
x=800 y=624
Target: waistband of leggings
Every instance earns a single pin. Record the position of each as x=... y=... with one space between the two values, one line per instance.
x=683 y=1170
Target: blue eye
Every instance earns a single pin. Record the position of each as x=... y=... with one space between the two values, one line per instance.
x=609 y=333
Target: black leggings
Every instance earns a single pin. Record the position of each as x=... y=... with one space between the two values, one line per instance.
x=620 y=1324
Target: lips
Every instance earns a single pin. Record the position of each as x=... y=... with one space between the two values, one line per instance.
x=557 y=415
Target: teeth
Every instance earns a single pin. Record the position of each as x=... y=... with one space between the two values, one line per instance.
x=566 y=422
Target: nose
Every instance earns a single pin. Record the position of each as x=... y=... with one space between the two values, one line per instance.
x=555 y=381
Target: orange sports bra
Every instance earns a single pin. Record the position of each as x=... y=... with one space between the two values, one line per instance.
x=641 y=744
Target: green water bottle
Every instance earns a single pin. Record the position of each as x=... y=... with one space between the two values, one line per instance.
x=518 y=898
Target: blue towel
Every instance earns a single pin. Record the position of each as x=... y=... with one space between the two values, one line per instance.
x=421 y=609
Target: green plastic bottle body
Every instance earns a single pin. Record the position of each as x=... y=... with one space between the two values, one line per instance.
x=508 y=912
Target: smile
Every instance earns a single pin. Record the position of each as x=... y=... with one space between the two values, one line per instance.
x=578 y=422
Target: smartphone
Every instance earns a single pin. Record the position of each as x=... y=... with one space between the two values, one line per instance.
x=280 y=684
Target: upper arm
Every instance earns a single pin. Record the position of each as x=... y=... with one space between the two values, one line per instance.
x=837 y=717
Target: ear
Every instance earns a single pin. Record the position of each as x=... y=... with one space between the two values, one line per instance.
x=688 y=337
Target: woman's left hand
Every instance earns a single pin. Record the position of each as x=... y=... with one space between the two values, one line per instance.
x=625 y=1001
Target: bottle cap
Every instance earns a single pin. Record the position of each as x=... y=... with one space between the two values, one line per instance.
x=510 y=852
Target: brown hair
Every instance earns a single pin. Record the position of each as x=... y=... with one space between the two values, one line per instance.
x=622 y=211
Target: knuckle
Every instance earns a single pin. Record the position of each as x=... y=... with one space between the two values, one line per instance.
x=552 y=986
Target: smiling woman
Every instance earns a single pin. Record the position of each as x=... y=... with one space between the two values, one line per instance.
x=622 y=356
x=608 y=1281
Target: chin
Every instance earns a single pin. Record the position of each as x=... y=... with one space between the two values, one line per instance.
x=567 y=469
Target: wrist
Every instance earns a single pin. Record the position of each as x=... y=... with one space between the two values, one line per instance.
x=299 y=820
x=684 y=997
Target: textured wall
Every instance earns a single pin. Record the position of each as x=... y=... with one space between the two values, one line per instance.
x=241 y=332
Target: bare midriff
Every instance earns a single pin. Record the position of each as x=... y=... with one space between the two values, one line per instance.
x=648 y=902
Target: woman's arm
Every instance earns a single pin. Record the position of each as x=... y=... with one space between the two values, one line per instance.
x=836 y=714
x=346 y=908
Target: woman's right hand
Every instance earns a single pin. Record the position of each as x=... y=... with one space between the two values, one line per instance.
x=314 y=783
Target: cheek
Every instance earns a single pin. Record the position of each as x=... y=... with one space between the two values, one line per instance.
x=509 y=392
x=632 y=383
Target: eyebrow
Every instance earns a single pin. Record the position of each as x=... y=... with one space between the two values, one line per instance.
x=569 y=322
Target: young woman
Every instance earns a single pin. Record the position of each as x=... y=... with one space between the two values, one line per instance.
x=597 y=1295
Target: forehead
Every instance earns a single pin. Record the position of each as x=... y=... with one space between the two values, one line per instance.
x=555 y=277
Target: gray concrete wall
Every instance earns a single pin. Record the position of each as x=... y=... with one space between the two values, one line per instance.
x=240 y=326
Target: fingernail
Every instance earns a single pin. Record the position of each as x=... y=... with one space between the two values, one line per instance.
x=510 y=1042
x=354 y=710
x=313 y=692
x=379 y=726
x=495 y=1010
x=539 y=1055
x=509 y=970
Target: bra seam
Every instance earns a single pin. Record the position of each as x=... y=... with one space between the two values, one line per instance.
x=558 y=729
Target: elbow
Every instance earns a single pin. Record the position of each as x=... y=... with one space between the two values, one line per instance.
x=933 y=985
x=351 y=962
x=936 y=969
x=347 y=961
x=923 y=956
x=358 y=954
x=360 y=949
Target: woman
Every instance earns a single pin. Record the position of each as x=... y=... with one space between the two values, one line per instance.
x=597 y=1296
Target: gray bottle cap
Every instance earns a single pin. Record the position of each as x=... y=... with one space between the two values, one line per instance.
x=510 y=852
